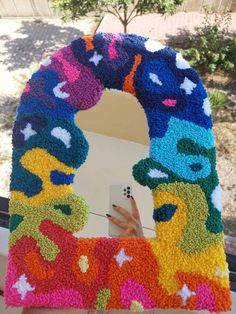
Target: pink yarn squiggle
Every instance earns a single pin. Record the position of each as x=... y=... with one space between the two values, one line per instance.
x=70 y=71
x=169 y=102
x=112 y=48
x=27 y=88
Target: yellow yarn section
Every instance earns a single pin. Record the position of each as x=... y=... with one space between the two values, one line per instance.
x=167 y=245
x=195 y=236
x=39 y=162
x=83 y=263
x=172 y=229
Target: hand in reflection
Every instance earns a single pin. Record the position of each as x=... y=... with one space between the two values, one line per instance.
x=131 y=225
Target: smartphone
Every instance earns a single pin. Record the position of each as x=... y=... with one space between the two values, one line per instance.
x=119 y=196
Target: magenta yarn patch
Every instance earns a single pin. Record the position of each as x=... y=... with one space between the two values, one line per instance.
x=205 y=299
x=132 y=290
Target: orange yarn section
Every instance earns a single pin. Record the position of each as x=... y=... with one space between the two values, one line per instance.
x=221 y=294
x=89 y=42
x=38 y=270
x=128 y=85
x=86 y=248
x=142 y=270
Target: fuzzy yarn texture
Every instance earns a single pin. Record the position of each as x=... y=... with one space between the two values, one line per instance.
x=184 y=266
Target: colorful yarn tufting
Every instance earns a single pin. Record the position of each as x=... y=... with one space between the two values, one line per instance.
x=184 y=266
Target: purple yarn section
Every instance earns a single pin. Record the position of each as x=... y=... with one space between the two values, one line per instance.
x=81 y=85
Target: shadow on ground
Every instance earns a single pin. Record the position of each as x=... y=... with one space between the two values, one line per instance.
x=7 y=112
x=229 y=226
x=36 y=39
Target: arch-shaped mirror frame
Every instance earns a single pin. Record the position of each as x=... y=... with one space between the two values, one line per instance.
x=184 y=266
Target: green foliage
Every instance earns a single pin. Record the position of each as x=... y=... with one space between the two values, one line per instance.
x=210 y=48
x=217 y=99
x=232 y=52
x=124 y=10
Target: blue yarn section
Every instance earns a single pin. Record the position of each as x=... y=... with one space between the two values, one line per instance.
x=59 y=178
x=164 y=213
x=41 y=98
x=168 y=82
x=110 y=72
x=151 y=95
x=37 y=122
x=165 y=151
x=196 y=167
x=73 y=156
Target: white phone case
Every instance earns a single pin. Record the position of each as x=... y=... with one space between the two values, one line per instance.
x=118 y=196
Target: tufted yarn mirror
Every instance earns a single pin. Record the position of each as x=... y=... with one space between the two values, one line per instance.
x=184 y=266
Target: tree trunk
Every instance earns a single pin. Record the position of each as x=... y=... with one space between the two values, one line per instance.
x=125 y=21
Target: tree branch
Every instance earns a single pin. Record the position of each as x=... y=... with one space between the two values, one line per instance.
x=117 y=12
x=136 y=16
x=109 y=11
x=132 y=11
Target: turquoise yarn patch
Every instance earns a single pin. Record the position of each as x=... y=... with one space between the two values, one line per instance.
x=164 y=150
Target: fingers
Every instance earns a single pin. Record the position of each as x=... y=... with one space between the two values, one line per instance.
x=123 y=212
x=135 y=211
x=117 y=222
x=130 y=232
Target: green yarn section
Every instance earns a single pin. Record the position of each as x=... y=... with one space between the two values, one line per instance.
x=214 y=222
x=208 y=184
x=141 y=173
x=15 y=220
x=30 y=226
x=136 y=306
x=65 y=209
x=102 y=299
x=195 y=237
